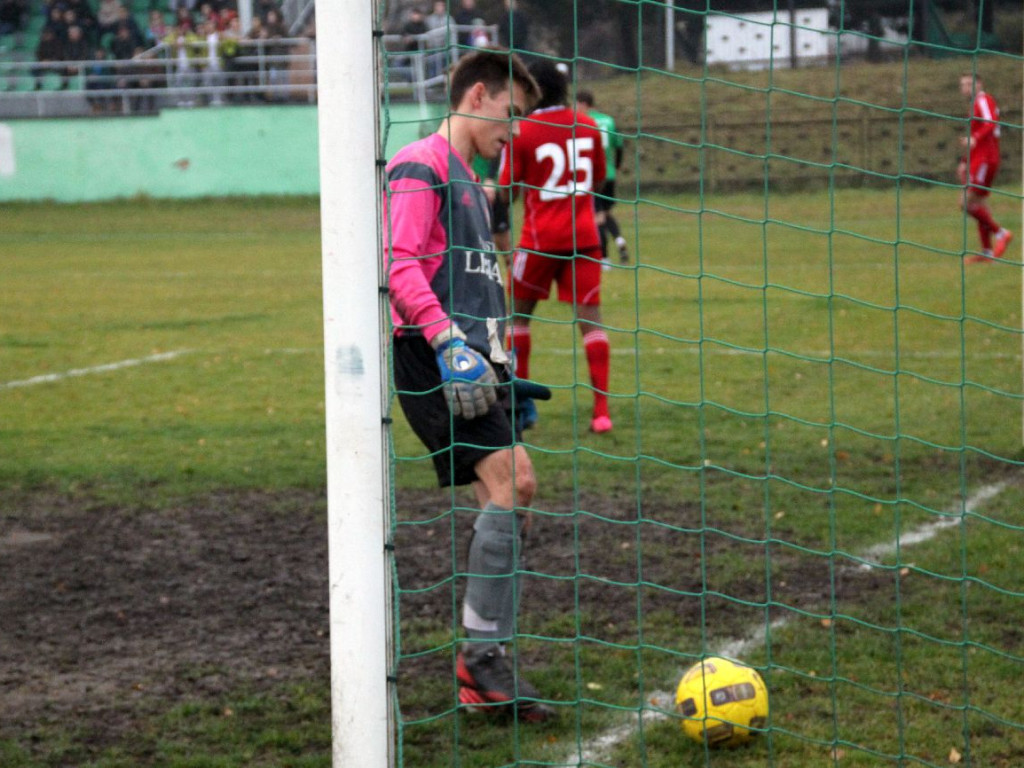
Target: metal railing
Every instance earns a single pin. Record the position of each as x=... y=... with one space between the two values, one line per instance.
x=418 y=63
x=280 y=70
x=259 y=71
x=297 y=13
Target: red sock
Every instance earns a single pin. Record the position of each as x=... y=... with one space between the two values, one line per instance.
x=520 y=343
x=986 y=224
x=598 y=351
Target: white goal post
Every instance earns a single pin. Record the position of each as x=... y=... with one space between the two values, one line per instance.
x=353 y=398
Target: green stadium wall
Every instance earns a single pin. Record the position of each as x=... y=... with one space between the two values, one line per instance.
x=265 y=150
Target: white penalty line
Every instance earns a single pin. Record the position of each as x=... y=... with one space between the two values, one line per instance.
x=660 y=703
x=104 y=368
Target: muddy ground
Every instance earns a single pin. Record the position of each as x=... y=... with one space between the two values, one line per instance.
x=109 y=613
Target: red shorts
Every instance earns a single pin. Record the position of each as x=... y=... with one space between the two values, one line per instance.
x=983 y=175
x=578 y=276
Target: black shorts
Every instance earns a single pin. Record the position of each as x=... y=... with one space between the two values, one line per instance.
x=456 y=444
x=605 y=200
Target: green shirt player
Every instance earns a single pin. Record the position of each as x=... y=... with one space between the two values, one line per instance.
x=605 y=199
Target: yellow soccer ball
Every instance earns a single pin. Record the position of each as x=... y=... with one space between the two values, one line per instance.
x=722 y=702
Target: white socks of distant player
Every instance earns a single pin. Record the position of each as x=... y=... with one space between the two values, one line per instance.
x=489 y=609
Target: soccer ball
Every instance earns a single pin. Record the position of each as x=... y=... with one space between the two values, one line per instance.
x=721 y=701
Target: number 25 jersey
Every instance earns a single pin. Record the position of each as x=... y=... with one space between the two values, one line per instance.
x=558 y=162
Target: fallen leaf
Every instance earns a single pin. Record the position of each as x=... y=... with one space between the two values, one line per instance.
x=955 y=756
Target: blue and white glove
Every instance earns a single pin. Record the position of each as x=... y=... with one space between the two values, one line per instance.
x=470 y=384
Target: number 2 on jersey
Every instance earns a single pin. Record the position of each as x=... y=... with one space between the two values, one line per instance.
x=574 y=156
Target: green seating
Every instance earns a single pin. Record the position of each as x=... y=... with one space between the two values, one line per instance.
x=51 y=81
x=24 y=83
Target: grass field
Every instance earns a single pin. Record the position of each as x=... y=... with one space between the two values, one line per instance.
x=815 y=464
x=852 y=123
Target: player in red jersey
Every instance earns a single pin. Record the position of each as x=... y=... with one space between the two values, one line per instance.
x=558 y=162
x=979 y=165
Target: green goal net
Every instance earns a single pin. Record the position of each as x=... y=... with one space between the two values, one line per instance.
x=816 y=388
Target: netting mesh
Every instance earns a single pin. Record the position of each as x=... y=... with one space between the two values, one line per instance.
x=816 y=390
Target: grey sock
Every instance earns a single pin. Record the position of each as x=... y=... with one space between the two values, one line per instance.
x=489 y=609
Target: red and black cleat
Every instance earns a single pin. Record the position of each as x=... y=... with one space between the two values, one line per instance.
x=489 y=684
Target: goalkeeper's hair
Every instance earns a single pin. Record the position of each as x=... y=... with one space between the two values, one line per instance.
x=497 y=68
x=553 y=85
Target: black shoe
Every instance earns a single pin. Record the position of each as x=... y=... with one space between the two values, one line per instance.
x=489 y=682
x=623 y=252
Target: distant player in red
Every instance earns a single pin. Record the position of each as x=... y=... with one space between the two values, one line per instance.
x=558 y=162
x=979 y=165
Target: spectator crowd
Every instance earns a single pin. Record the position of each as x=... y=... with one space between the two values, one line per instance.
x=434 y=31
x=101 y=45
x=466 y=25
x=203 y=39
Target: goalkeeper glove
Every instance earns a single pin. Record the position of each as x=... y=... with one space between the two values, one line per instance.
x=524 y=410
x=470 y=384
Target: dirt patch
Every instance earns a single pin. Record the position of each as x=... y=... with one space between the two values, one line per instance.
x=106 y=610
x=108 y=613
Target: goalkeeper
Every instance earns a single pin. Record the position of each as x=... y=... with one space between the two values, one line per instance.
x=450 y=366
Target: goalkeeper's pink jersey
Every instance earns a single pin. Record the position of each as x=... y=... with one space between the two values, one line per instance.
x=438 y=247
x=558 y=159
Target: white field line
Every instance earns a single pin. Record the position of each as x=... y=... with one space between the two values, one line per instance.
x=873 y=555
x=659 y=703
x=120 y=364
x=104 y=368
x=591 y=751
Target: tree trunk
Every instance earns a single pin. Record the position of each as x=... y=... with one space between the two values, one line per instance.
x=629 y=25
x=986 y=15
